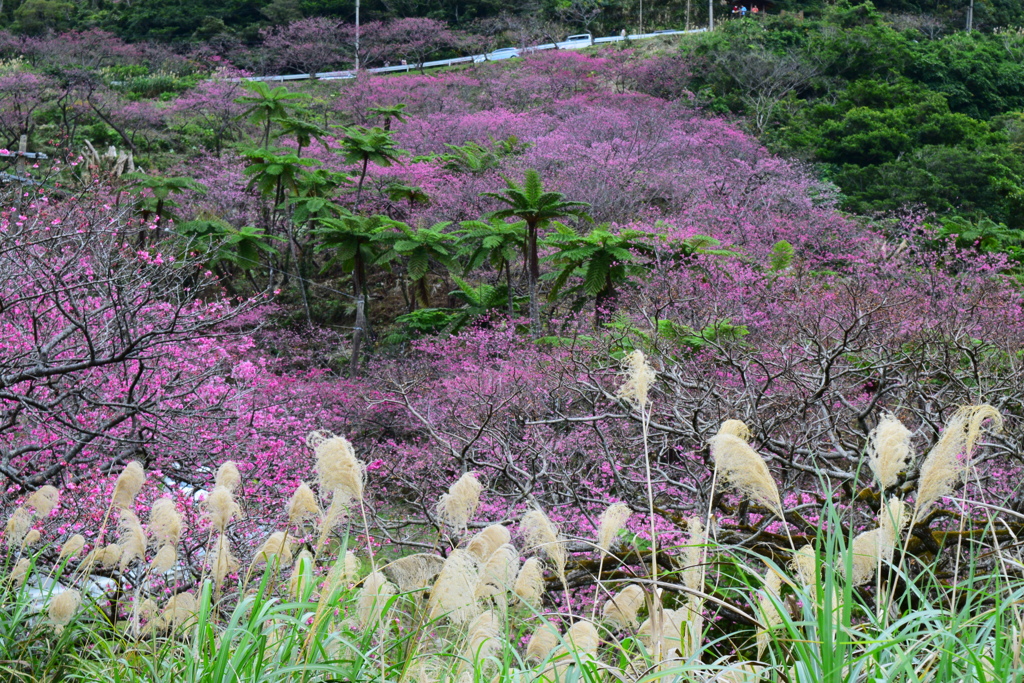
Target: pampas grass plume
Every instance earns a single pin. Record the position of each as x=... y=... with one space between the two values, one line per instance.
x=128 y=485
x=302 y=505
x=63 y=608
x=452 y=593
x=736 y=428
x=414 y=572
x=943 y=466
x=222 y=562
x=338 y=469
x=373 y=599
x=741 y=466
x=44 y=500
x=483 y=641
x=771 y=594
x=165 y=524
x=529 y=584
x=133 y=538
x=18 y=525
x=543 y=640
x=541 y=534
x=583 y=637
x=301 y=576
x=72 y=547
x=164 y=560
x=639 y=377
x=221 y=508
x=180 y=610
x=31 y=538
x=276 y=546
x=20 y=572
x=888 y=450
x=610 y=523
x=228 y=476
x=693 y=556
x=622 y=609
x=109 y=555
x=459 y=505
x=488 y=540
x=499 y=573
x=803 y=563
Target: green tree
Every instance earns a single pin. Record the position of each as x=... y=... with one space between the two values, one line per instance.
x=267 y=105
x=495 y=241
x=530 y=203
x=304 y=132
x=352 y=239
x=363 y=145
x=604 y=259
x=154 y=194
x=394 y=113
x=419 y=246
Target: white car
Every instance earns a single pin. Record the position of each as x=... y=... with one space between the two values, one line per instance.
x=501 y=53
x=578 y=40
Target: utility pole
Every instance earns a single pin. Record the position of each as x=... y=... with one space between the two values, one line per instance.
x=711 y=15
x=641 y=17
x=970 y=16
x=357 y=35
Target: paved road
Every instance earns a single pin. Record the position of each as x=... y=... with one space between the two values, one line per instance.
x=566 y=45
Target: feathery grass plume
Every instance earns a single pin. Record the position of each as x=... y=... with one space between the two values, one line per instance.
x=737 y=428
x=147 y=609
x=803 y=563
x=459 y=505
x=180 y=610
x=943 y=466
x=414 y=572
x=301 y=576
x=639 y=377
x=72 y=547
x=44 y=500
x=623 y=607
x=741 y=466
x=63 y=607
x=673 y=621
x=888 y=450
x=338 y=469
x=482 y=644
x=867 y=548
x=693 y=556
x=31 y=538
x=132 y=540
x=349 y=567
x=276 y=546
x=543 y=640
x=498 y=574
x=452 y=593
x=583 y=637
x=302 y=505
x=164 y=560
x=610 y=523
x=529 y=586
x=221 y=508
x=228 y=476
x=771 y=595
x=541 y=534
x=165 y=524
x=128 y=485
x=20 y=572
x=18 y=525
x=487 y=541
x=109 y=555
x=222 y=562
x=893 y=518
x=373 y=599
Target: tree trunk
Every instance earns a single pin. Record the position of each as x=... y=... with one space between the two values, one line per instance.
x=533 y=276
x=508 y=290
x=362 y=177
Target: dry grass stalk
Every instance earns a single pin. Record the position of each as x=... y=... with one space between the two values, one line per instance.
x=128 y=485
x=639 y=377
x=20 y=572
x=165 y=525
x=302 y=575
x=276 y=547
x=944 y=466
x=338 y=469
x=132 y=540
x=373 y=599
x=228 y=476
x=44 y=500
x=302 y=505
x=770 y=596
x=740 y=466
x=499 y=573
x=737 y=428
x=624 y=606
x=63 y=608
x=452 y=593
x=221 y=508
x=888 y=450
x=72 y=547
x=18 y=525
x=543 y=640
x=459 y=505
x=483 y=544
x=529 y=584
x=414 y=572
x=164 y=560
x=541 y=534
x=610 y=524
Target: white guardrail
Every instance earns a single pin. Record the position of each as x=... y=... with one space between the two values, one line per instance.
x=565 y=45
